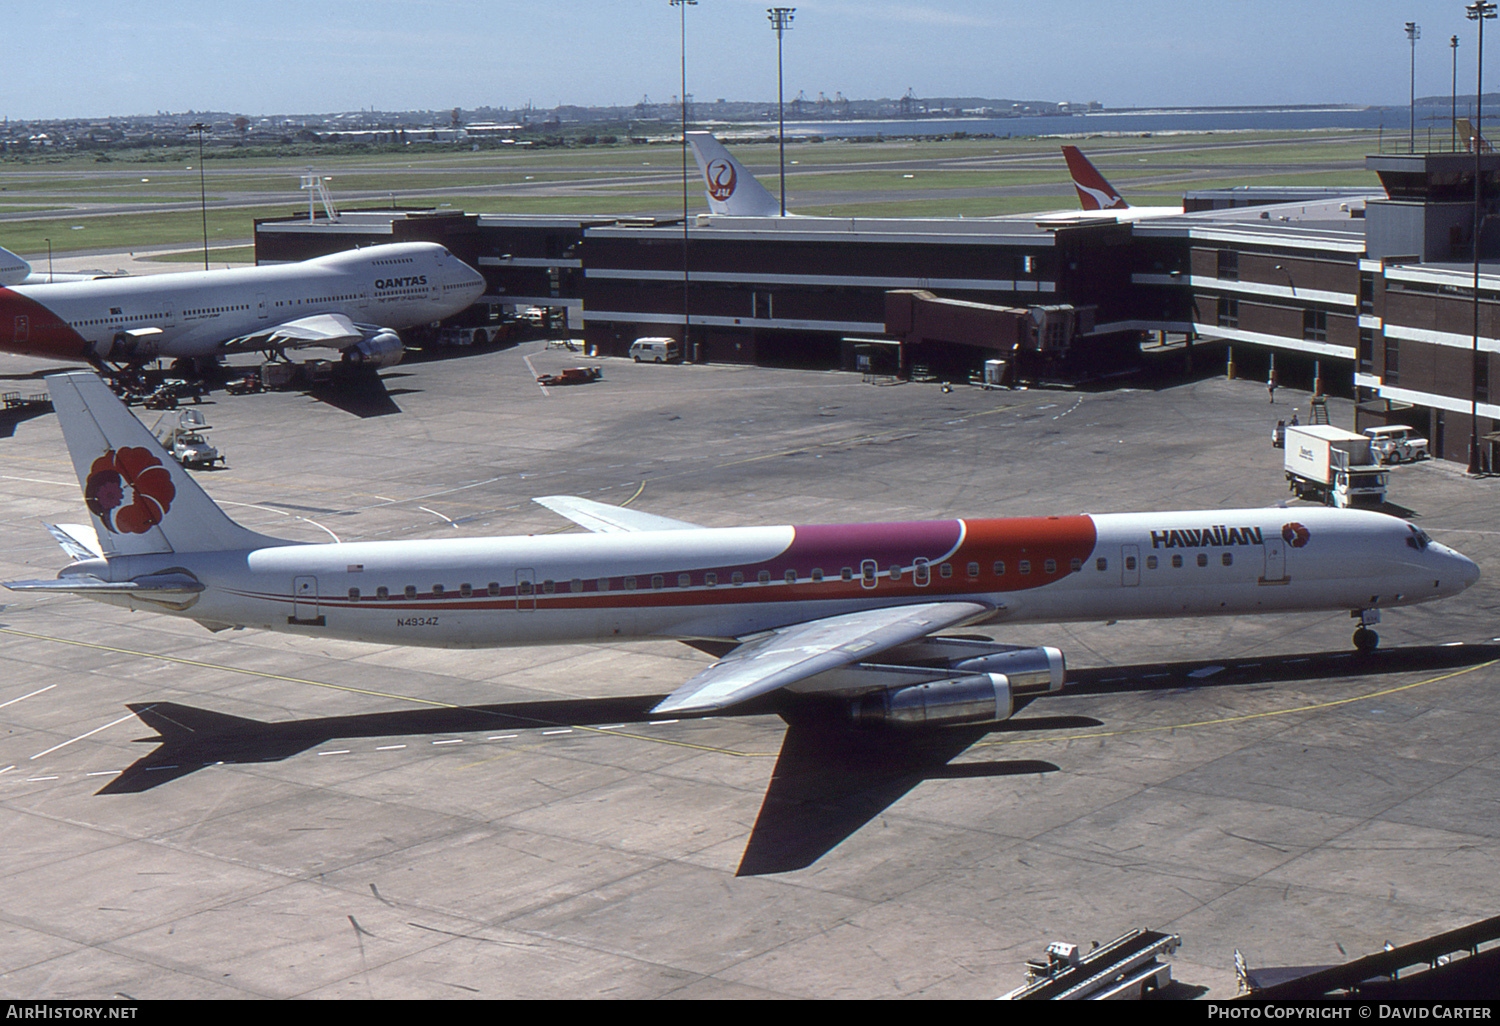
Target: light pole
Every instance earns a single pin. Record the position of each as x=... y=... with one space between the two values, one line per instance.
x=1480 y=11
x=781 y=21
x=682 y=6
x=200 y=128
x=1413 y=33
x=1453 y=126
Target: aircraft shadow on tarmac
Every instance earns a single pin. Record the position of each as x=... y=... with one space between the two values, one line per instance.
x=831 y=777
x=362 y=393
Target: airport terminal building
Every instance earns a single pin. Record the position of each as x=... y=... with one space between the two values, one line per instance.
x=1341 y=291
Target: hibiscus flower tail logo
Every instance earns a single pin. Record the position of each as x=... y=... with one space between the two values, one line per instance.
x=129 y=490
x=1295 y=535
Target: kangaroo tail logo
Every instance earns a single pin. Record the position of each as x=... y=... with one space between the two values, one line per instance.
x=720 y=177
x=129 y=490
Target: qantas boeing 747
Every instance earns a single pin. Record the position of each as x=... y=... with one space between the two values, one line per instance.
x=354 y=301
x=850 y=610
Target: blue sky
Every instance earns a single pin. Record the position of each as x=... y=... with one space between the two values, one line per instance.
x=91 y=58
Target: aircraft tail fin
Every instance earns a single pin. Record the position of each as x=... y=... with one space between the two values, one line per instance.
x=13 y=270
x=1094 y=191
x=731 y=188
x=141 y=499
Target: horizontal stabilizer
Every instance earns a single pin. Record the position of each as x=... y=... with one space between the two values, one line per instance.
x=602 y=518
x=79 y=541
x=789 y=654
x=157 y=586
x=331 y=331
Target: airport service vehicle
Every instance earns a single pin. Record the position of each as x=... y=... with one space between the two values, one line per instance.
x=1333 y=466
x=656 y=350
x=181 y=434
x=355 y=302
x=851 y=611
x=572 y=376
x=1396 y=443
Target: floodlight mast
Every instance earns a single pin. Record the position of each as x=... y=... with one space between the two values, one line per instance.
x=781 y=21
x=687 y=347
x=1413 y=33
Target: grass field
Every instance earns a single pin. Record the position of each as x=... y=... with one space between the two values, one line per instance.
x=79 y=204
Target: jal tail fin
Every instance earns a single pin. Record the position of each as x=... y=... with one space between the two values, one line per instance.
x=730 y=186
x=13 y=270
x=141 y=499
x=1094 y=192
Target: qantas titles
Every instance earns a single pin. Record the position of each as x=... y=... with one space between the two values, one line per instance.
x=400 y=283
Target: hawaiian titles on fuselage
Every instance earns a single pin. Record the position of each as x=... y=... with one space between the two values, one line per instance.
x=1197 y=537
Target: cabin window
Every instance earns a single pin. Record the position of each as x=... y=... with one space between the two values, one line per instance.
x=999 y=568
x=736 y=578
x=382 y=593
x=1101 y=564
x=602 y=584
x=630 y=584
x=1049 y=567
x=1227 y=559
x=1150 y=562
x=847 y=573
x=656 y=582
x=921 y=573
x=411 y=591
x=437 y=591
x=575 y=585
x=684 y=580
x=353 y=594
x=764 y=577
x=524 y=587
x=711 y=579
x=1024 y=566
x=868 y=571
x=1203 y=559
x=1075 y=565
x=973 y=570
x=549 y=587
x=790 y=577
x=1129 y=562
x=494 y=588
x=466 y=590
x=817 y=575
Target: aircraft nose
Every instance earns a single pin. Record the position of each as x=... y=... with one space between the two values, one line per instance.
x=1459 y=569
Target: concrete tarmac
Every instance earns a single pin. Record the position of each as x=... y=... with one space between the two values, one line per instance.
x=243 y=814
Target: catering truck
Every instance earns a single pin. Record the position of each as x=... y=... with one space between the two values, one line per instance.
x=1334 y=467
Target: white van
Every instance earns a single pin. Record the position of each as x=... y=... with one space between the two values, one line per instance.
x=656 y=350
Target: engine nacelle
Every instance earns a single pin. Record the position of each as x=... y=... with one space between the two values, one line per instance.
x=1031 y=671
x=382 y=349
x=975 y=698
x=131 y=347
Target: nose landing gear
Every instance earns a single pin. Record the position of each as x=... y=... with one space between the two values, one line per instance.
x=1365 y=640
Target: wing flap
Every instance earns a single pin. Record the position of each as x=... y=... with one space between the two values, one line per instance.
x=603 y=518
x=789 y=654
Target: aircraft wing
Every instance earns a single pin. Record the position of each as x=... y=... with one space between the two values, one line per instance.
x=798 y=651
x=333 y=331
x=602 y=518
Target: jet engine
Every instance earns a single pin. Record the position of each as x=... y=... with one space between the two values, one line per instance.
x=132 y=347
x=382 y=349
x=976 y=698
x=983 y=687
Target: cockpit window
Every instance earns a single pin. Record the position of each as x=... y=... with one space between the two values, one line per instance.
x=1418 y=538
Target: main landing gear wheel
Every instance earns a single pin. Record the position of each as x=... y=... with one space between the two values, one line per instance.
x=1365 y=639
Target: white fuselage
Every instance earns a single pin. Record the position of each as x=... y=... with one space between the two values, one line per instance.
x=731 y=582
x=190 y=314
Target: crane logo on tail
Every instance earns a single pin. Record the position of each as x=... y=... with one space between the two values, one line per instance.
x=720 y=177
x=129 y=490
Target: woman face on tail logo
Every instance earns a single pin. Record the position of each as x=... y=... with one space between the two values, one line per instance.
x=129 y=490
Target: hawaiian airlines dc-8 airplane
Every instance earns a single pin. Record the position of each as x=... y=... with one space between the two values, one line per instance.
x=850 y=610
x=354 y=301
